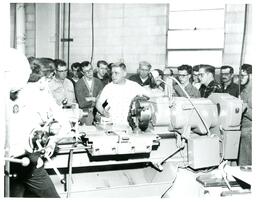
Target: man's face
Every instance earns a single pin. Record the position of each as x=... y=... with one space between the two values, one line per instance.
x=102 y=69
x=88 y=71
x=184 y=77
x=118 y=75
x=226 y=76
x=244 y=77
x=144 y=71
x=196 y=77
x=203 y=76
x=61 y=72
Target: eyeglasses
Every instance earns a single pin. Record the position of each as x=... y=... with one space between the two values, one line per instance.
x=75 y=68
x=62 y=70
x=225 y=74
x=88 y=70
x=144 y=70
x=182 y=75
x=242 y=76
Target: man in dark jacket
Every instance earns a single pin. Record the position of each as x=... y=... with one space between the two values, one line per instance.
x=227 y=84
x=209 y=85
x=142 y=75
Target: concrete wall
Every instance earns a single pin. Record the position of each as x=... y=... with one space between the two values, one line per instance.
x=234 y=27
x=126 y=32
x=135 y=32
x=30 y=29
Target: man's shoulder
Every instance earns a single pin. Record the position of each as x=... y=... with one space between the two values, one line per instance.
x=79 y=82
x=68 y=82
x=234 y=85
x=214 y=84
x=134 y=77
x=132 y=83
x=98 y=82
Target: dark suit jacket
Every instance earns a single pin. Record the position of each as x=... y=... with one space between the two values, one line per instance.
x=82 y=91
x=137 y=79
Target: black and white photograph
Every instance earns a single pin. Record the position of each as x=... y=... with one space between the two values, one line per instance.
x=127 y=100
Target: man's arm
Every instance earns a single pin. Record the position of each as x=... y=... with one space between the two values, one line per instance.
x=102 y=104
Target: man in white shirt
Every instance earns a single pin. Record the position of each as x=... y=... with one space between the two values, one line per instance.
x=115 y=98
x=32 y=108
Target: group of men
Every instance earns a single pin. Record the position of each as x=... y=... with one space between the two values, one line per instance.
x=51 y=87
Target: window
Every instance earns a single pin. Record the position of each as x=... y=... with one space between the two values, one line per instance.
x=195 y=34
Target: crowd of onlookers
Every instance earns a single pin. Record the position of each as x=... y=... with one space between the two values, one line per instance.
x=108 y=89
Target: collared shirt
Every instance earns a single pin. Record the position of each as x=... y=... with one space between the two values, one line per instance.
x=34 y=106
x=232 y=89
x=62 y=90
x=213 y=87
x=138 y=80
x=190 y=89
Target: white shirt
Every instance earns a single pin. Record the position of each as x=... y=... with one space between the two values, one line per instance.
x=119 y=97
x=33 y=106
x=62 y=89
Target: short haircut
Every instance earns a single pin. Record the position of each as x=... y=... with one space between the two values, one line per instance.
x=160 y=72
x=208 y=68
x=188 y=68
x=85 y=64
x=101 y=62
x=196 y=68
x=247 y=68
x=231 y=69
x=45 y=65
x=75 y=64
x=119 y=64
x=145 y=63
x=59 y=62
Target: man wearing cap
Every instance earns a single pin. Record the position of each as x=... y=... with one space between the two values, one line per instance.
x=31 y=109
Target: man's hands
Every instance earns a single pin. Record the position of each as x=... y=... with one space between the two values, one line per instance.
x=90 y=99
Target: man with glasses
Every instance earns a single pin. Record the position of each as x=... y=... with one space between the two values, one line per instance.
x=184 y=76
x=196 y=82
x=245 y=150
x=206 y=77
x=102 y=72
x=227 y=84
x=87 y=89
x=62 y=88
x=142 y=74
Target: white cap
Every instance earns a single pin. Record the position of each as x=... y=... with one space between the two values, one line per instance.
x=16 y=69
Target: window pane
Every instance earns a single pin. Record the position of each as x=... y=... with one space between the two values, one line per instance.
x=176 y=58
x=198 y=19
x=179 y=6
x=195 y=39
